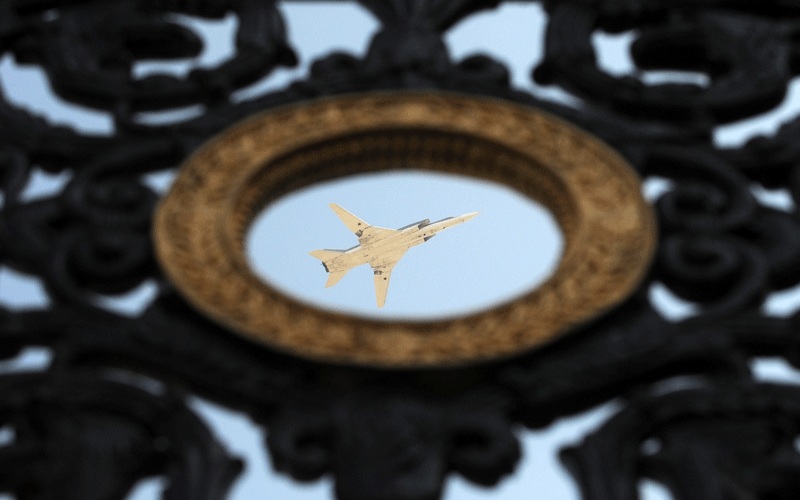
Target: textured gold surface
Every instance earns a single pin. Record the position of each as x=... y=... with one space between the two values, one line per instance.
x=609 y=230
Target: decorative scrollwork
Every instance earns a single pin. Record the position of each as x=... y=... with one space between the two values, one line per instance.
x=81 y=433
x=93 y=438
x=703 y=442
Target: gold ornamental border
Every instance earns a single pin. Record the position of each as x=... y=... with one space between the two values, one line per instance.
x=200 y=225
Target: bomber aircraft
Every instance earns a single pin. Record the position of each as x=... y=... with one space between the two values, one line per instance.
x=381 y=248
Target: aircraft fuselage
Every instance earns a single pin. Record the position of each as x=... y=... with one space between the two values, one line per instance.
x=379 y=252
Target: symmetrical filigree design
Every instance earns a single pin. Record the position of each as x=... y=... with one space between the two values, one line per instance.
x=82 y=433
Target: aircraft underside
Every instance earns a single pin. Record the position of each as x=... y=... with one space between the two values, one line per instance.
x=379 y=247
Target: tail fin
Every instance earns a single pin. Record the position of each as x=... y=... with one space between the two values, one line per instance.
x=334 y=277
x=351 y=221
x=325 y=255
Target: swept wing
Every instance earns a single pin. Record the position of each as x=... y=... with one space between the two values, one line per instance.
x=366 y=233
x=382 y=272
x=381 y=277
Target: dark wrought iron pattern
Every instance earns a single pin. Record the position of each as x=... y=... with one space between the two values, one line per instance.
x=82 y=431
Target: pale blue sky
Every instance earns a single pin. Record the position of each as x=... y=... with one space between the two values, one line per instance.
x=467 y=268
x=470 y=259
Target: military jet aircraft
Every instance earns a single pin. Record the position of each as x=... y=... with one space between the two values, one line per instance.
x=380 y=247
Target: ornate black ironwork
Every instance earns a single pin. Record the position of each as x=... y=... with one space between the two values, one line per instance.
x=82 y=432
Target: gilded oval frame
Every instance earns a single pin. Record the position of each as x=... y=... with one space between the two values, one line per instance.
x=609 y=229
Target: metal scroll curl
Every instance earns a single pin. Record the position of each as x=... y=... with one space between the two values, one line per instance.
x=720 y=248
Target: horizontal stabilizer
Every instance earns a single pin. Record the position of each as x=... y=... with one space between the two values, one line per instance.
x=334 y=277
x=325 y=255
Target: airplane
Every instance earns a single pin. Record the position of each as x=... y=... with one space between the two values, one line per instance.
x=380 y=247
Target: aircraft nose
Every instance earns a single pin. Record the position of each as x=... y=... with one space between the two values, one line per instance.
x=469 y=216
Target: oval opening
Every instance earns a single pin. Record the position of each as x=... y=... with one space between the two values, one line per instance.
x=506 y=251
